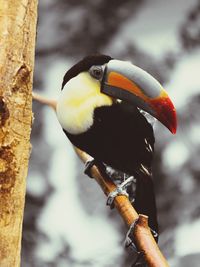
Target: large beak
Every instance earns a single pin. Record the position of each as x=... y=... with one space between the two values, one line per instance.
x=127 y=82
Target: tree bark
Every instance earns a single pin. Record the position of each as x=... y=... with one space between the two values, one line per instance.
x=17 y=46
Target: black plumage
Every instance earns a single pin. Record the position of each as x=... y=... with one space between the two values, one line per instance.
x=84 y=65
x=122 y=138
x=117 y=137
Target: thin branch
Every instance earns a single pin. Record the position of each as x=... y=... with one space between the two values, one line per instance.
x=44 y=100
x=142 y=234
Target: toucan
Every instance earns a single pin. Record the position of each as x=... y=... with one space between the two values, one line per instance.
x=100 y=109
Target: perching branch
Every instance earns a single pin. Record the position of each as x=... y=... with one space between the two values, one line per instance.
x=142 y=234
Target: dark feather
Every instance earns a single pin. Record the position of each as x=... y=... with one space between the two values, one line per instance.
x=84 y=65
x=145 y=200
x=117 y=138
x=121 y=137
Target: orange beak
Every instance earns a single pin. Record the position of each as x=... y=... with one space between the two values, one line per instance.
x=127 y=82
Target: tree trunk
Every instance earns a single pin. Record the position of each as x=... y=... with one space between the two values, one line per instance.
x=17 y=46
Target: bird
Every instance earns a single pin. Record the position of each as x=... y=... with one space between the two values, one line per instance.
x=101 y=109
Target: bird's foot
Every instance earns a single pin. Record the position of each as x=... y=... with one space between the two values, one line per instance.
x=119 y=191
x=154 y=233
x=129 y=240
x=129 y=243
x=88 y=165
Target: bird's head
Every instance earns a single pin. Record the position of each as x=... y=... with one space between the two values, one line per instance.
x=98 y=81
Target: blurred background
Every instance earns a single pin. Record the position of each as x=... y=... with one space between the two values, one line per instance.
x=66 y=221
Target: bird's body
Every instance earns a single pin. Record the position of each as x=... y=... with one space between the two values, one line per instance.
x=115 y=133
x=123 y=139
x=120 y=136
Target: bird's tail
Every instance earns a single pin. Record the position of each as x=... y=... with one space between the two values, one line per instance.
x=145 y=202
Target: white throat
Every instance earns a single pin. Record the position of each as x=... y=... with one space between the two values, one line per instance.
x=77 y=101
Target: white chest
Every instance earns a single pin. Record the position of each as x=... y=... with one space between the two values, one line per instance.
x=77 y=101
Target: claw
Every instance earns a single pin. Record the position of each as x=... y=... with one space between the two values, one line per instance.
x=119 y=191
x=154 y=233
x=129 y=242
x=88 y=165
x=129 y=236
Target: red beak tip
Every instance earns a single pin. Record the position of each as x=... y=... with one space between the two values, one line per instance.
x=173 y=131
x=173 y=127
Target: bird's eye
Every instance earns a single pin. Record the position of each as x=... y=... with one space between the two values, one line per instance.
x=96 y=72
